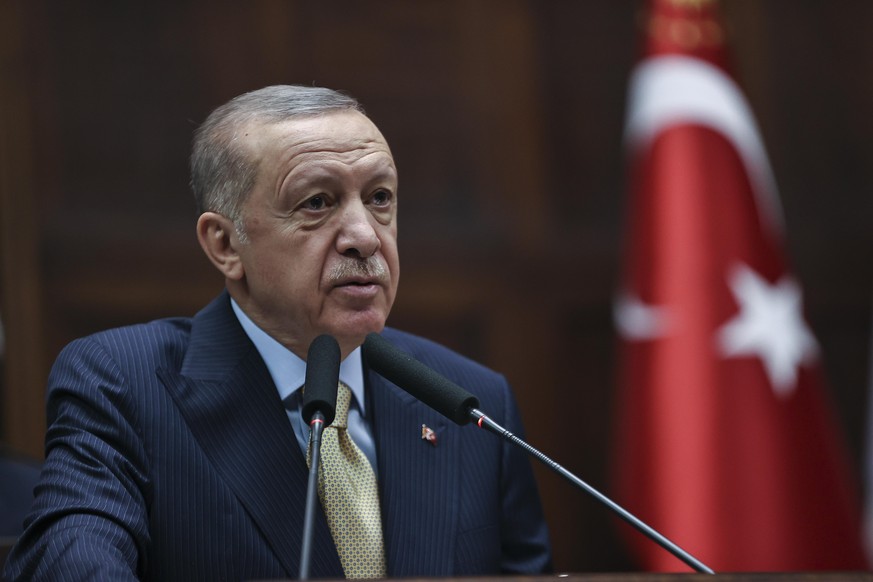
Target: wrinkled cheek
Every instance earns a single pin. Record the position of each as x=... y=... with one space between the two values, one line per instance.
x=393 y=264
x=391 y=295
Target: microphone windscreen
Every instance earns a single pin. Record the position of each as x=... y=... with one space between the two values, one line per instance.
x=427 y=385
x=322 y=377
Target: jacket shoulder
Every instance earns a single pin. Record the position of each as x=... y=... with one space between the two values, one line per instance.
x=159 y=343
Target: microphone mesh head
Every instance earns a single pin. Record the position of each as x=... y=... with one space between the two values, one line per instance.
x=427 y=385
x=322 y=377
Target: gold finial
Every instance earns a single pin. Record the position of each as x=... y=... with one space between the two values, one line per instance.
x=698 y=4
x=691 y=27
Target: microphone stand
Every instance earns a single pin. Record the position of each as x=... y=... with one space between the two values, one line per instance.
x=316 y=426
x=482 y=421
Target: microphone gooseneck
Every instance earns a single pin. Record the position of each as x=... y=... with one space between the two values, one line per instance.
x=483 y=421
x=319 y=410
x=435 y=390
x=452 y=401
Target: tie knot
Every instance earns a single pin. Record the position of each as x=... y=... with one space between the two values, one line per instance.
x=343 y=400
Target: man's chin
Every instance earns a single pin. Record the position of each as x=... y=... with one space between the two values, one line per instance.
x=351 y=337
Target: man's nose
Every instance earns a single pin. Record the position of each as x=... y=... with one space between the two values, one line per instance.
x=357 y=235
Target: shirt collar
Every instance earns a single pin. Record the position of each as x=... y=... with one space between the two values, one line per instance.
x=289 y=371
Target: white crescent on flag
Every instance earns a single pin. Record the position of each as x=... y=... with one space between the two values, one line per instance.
x=670 y=90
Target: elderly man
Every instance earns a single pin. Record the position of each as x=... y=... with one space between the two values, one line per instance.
x=176 y=449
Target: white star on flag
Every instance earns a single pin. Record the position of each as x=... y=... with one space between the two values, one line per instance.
x=769 y=325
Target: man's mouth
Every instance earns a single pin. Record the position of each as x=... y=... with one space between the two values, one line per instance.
x=356 y=283
x=357 y=289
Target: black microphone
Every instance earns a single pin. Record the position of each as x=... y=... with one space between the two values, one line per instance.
x=435 y=390
x=322 y=377
x=452 y=401
x=319 y=409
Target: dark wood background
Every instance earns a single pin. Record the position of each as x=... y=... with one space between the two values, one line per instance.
x=505 y=118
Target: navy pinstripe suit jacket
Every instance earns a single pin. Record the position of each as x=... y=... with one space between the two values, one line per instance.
x=170 y=457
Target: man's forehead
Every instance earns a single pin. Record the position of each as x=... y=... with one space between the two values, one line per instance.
x=308 y=144
x=344 y=128
x=294 y=143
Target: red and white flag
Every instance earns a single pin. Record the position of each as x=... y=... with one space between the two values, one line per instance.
x=726 y=444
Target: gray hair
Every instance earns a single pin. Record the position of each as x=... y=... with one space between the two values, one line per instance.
x=222 y=171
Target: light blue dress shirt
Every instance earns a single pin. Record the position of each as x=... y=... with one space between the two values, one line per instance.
x=289 y=373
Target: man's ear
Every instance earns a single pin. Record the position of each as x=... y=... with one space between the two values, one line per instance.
x=218 y=239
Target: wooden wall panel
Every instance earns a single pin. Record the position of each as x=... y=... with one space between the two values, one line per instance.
x=20 y=277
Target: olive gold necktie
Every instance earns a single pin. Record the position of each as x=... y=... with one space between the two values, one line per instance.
x=350 y=497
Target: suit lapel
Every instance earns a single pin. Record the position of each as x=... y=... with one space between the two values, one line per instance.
x=418 y=481
x=232 y=407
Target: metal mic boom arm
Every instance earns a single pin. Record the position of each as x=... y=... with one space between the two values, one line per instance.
x=482 y=421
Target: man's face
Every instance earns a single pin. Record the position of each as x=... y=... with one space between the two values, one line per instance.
x=321 y=222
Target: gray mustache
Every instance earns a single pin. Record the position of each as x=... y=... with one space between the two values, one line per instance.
x=371 y=268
